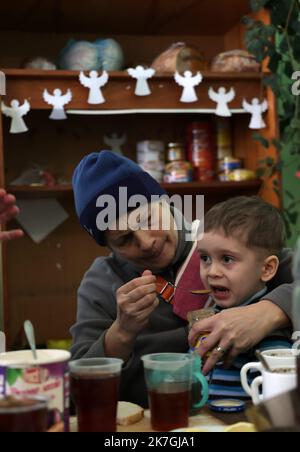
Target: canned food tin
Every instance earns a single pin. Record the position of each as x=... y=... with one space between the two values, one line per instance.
x=230 y=164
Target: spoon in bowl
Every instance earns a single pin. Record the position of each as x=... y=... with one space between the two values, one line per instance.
x=29 y=331
x=263 y=360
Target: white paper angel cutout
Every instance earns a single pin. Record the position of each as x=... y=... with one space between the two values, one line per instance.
x=222 y=98
x=142 y=75
x=94 y=83
x=256 y=109
x=16 y=113
x=115 y=142
x=58 y=101
x=188 y=81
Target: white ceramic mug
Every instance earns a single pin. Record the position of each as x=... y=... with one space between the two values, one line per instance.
x=275 y=358
x=280 y=357
x=273 y=383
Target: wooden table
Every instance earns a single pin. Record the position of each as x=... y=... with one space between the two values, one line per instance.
x=205 y=417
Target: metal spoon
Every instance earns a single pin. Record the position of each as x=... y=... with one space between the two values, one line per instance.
x=263 y=360
x=29 y=331
x=200 y=292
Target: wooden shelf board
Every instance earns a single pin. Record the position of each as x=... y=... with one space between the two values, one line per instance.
x=60 y=74
x=119 y=92
x=212 y=186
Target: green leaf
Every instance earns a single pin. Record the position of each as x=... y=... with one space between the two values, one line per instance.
x=256 y=5
x=256 y=136
x=289 y=195
x=278 y=193
x=270 y=161
x=277 y=144
x=261 y=172
x=292 y=216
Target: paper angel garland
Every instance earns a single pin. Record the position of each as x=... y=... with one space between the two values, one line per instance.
x=188 y=81
x=58 y=101
x=222 y=98
x=115 y=142
x=16 y=113
x=142 y=75
x=256 y=109
x=94 y=83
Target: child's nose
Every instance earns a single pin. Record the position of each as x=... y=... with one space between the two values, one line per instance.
x=214 y=270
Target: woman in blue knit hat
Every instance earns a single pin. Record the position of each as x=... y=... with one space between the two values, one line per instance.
x=119 y=311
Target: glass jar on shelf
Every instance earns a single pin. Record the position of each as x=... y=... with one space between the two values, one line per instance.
x=176 y=152
x=178 y=170
x=203 y=153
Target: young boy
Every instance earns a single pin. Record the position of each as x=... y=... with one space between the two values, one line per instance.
x=239 y=254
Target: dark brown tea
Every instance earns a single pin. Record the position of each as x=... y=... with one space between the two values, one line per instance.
x=96 y=398
x=169 y=407
x=23 y=415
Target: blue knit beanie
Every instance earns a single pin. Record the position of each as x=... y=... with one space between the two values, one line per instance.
x=103 y=173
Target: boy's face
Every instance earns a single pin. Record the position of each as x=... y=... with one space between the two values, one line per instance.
x=230 y=269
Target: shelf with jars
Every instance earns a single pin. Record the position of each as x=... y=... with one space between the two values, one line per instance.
x=54 y=267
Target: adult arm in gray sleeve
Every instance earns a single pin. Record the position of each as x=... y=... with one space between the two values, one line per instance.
x=282 y=296
x=281 y=286
x=96 y=311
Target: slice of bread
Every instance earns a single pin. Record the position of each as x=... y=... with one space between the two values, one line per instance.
x=129 y=413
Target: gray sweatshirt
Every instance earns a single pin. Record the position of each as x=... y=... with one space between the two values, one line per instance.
x=97 y=310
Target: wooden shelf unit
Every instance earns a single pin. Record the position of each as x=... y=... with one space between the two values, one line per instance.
x=40 y=281
x=119 y=92
x=180 y=188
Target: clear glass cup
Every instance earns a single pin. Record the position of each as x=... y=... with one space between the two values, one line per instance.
x=95 y=391
x=169 y=378
x=23 y=414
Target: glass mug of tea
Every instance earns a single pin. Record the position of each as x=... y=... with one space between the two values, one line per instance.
x=169 y=378
x=95 y=390
x=23 y=414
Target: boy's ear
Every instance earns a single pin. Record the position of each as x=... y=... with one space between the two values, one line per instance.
x=269 y=268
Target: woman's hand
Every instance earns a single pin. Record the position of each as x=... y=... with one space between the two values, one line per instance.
x=237 y=330
x=8 y=210
x=136 y=300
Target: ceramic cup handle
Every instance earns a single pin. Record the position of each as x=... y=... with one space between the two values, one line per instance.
x=244 y=375
x=256 y=396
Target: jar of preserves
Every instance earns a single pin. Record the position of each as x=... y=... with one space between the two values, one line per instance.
x=203 y=156
x=178 y=172
x=176 y=151
x=202 y=149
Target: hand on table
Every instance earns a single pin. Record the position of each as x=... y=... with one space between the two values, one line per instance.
x=8 y=210
x=236 y=330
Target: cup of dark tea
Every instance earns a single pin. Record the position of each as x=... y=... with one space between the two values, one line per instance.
x=169 y=378
x=23 y=414
x=95 y=391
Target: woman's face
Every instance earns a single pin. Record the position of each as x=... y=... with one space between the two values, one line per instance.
x=147 y=237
